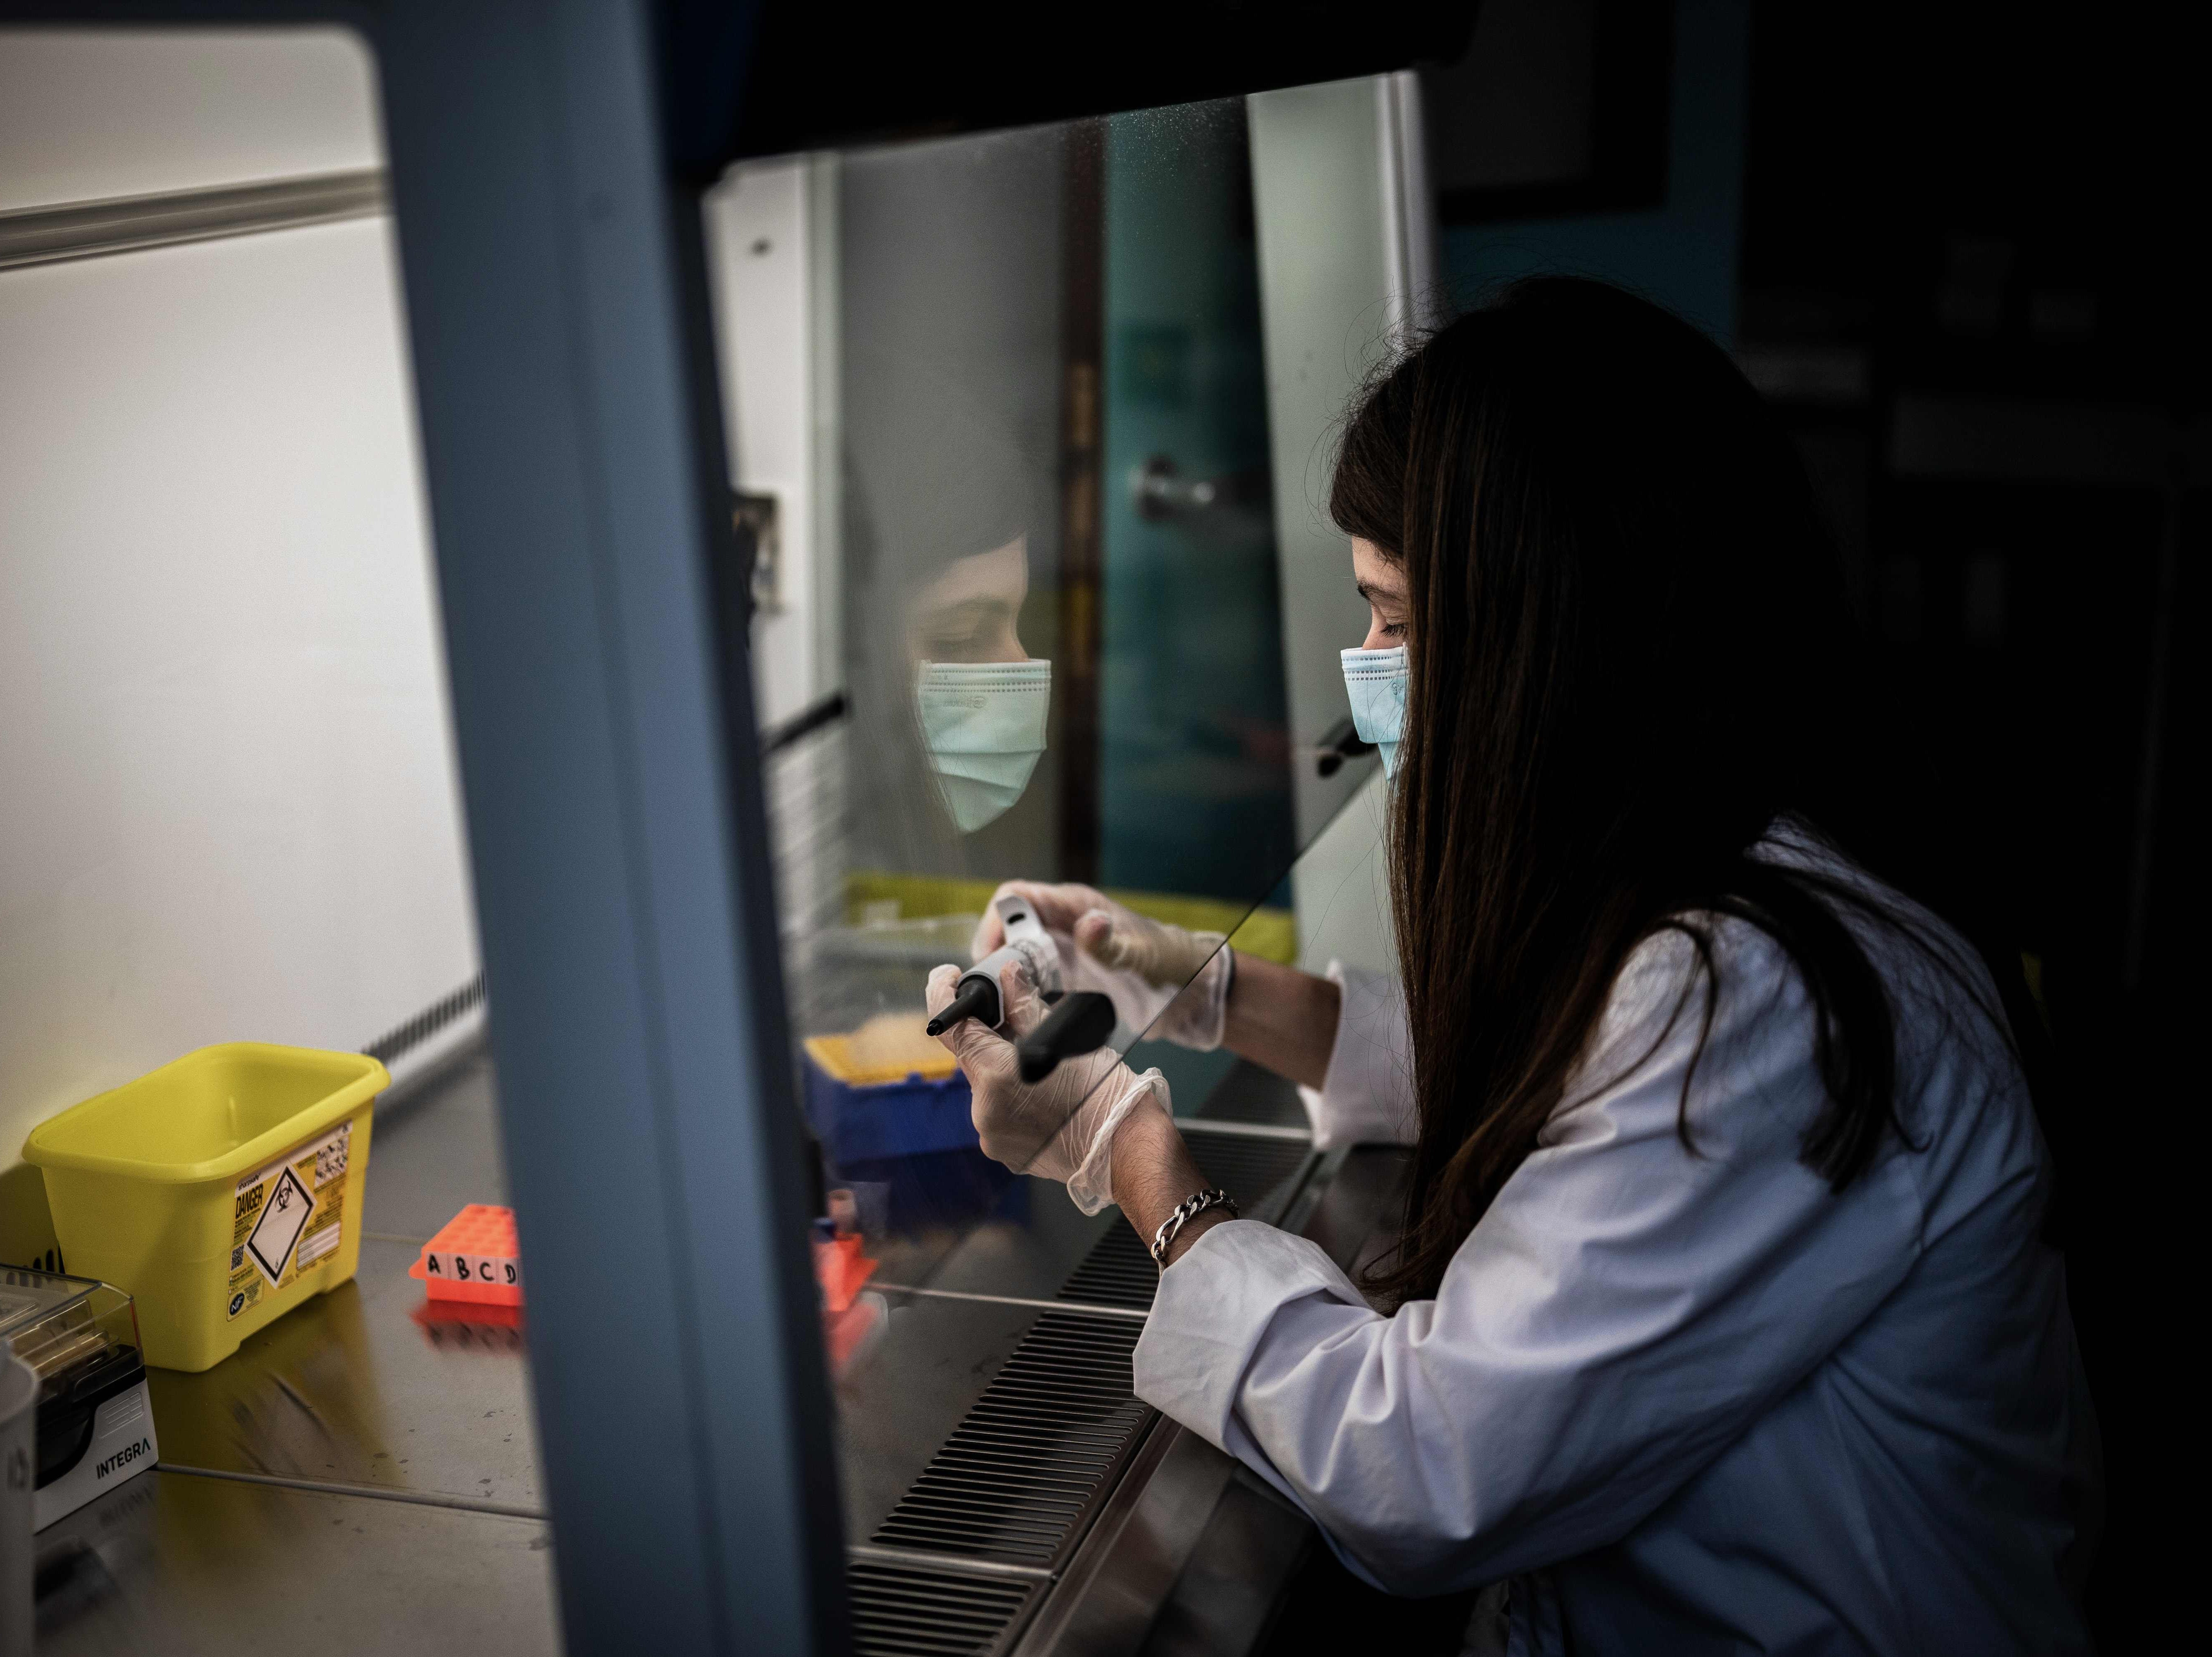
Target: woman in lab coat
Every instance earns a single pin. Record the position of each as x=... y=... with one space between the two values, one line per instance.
x=1722 y=1318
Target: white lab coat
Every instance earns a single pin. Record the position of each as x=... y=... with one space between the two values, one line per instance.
x=1686 y=1403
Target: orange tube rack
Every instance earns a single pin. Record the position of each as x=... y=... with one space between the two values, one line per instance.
x=473 y=1257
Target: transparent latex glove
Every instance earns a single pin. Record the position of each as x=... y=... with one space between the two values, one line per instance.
x=1061 y=1128
x=1162 y=979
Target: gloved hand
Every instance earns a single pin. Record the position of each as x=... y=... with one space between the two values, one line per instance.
x=1061 y=1128
x=1163 y=979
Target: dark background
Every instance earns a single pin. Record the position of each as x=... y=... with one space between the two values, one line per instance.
x=1955 y=248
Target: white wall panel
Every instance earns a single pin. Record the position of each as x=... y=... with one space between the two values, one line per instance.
x=1341 y=886
x=87 y=114
x=226 y=795
x=1346 y=263
x=759 y=254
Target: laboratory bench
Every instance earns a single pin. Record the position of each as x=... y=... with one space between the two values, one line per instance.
x=364 y=1474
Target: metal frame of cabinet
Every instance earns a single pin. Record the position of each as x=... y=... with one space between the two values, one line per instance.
x=571 y=440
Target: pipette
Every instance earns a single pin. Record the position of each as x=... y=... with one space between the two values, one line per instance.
x=1027 y=945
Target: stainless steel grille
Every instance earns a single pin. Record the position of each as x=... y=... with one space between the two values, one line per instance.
x=1017 y=1476
x=898 y=1612
x=1260 y=1174
x=1019 y=1479
x=1117 y=1271
x=423 y=1025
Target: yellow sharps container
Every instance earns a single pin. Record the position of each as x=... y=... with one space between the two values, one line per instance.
x=219 y=1191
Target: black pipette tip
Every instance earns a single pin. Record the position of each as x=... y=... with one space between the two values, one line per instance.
x=975 y=999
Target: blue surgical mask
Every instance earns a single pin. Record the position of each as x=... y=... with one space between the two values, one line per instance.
x=1376 y=681
x=984 y=724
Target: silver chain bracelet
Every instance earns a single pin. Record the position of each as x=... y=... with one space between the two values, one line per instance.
x=1188 y=1209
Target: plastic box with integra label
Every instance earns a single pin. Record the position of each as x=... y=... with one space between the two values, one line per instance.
x=95 y=1422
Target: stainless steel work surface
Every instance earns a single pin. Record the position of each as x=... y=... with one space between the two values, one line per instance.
x=1029 y=1256
x=176 y=1563
x=1036 y=1252
x=435 y=1148
x=364 y=1386
x=1029 y=1240
x=357 y=1388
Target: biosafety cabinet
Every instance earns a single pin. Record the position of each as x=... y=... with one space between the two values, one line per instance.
x=869 y=455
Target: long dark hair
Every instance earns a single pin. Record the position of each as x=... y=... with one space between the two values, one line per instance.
x=1629 y=651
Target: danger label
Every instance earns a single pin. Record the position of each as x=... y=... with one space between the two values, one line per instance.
x=283 y=1217
x=288 y=1217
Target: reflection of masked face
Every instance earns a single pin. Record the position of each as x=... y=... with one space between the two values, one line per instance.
x=984 y=723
